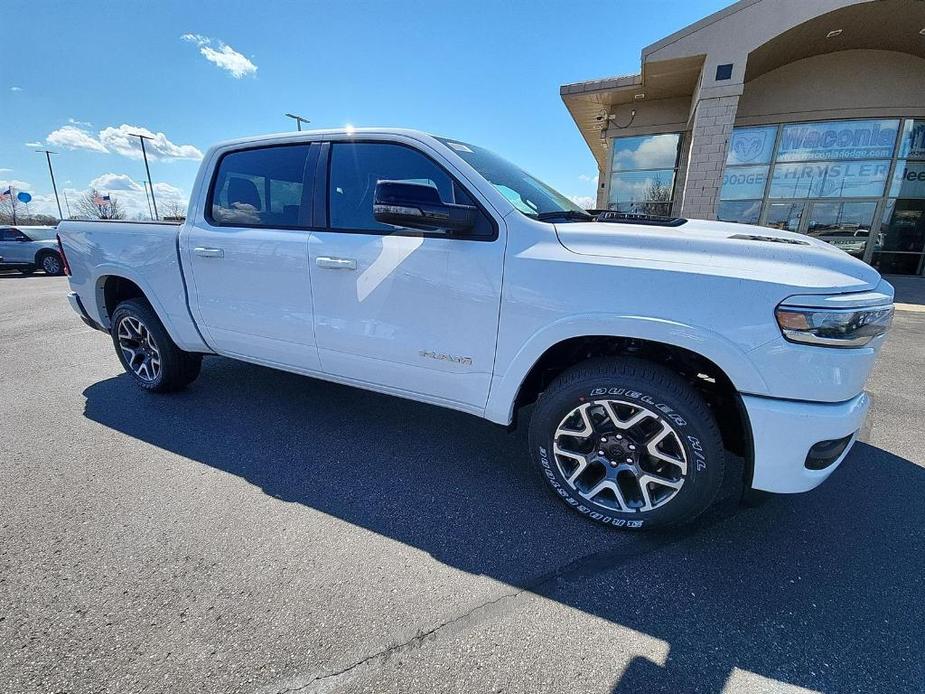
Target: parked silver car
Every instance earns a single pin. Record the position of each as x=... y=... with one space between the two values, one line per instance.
x=28 y=248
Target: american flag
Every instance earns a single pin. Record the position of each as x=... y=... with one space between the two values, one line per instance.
x=100 y=200
x=7 y=194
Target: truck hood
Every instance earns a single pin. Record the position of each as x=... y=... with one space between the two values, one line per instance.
x=721 y=248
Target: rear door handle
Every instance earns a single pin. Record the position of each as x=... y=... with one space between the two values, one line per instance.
x=209 y=252
x=336 y=263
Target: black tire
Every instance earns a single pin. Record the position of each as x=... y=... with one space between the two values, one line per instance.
x=51 y=263
x=176 y=369
x=633 y=389
x=28 y=270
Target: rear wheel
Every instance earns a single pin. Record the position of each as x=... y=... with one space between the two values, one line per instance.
x=51 y=264
x=627 y=443
x=146 y=351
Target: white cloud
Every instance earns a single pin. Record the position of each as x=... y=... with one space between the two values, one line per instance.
x=5 y=170
x=167 y=191
x=79 y=123
x=111 y=181
x=15 y=89
x=73 y=137
x=122 y=140
x=198 y=39
x=585 y=201
x=224 y=56
x=584 y=178
x=15 y=183
x=658 y=151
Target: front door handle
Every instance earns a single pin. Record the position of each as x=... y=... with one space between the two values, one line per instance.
x=336 y=263
x=209 y=252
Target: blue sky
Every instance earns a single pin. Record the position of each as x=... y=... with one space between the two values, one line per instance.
x=78 y=77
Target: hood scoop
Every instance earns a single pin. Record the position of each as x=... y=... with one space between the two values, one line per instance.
x=769 y=239
x=636 y=218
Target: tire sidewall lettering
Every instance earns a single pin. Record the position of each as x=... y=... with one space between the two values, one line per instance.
x=696 y=454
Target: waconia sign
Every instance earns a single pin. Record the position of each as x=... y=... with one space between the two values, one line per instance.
x=860 y=139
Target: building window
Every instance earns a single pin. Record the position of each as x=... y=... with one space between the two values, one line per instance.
x=643 y=172
x=746 y=176
x=828 y=180
x=900 y=245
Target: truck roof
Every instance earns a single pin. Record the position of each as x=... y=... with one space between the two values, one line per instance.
x=309 y=134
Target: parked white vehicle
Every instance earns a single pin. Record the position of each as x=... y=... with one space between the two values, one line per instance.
x=434 y=270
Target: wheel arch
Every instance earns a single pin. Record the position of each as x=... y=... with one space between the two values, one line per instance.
x=42 y=252
x=719 y=369
x=101 y=285
x=114 y=287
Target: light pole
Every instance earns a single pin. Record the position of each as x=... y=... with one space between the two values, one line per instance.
x=148 y=200
x=298 y=120
x=51 y=172
x=144 y=154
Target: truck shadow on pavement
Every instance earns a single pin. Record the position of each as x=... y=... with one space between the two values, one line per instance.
x=823 y=590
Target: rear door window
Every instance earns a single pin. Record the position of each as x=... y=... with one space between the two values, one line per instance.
x=262 y=187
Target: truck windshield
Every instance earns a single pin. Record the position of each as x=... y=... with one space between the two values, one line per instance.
x=529 y=195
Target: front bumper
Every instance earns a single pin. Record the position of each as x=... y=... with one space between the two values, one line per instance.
x=783 y=431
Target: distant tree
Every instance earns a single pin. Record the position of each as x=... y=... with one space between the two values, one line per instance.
x=658 y=197
x=45 y=220
x=23 y=216
x=88 y=209
x=173 y=209
x=10 y=208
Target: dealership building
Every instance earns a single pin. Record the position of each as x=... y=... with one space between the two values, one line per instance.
x=806 y=115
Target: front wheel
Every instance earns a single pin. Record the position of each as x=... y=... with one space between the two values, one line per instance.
x=627 y=443
x=146 y=351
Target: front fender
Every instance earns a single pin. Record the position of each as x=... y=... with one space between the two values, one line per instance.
x=728 y=356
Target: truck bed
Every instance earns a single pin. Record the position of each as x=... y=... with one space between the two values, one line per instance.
x=143 y=253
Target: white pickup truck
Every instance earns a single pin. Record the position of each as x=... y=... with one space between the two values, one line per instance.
x=432 y=269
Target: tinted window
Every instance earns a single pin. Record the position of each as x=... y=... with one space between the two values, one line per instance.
x=356 y=168
x=11 y=234
x=262 y=187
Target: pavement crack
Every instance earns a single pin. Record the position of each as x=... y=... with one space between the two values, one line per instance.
x=323 y=683
x=543 y=585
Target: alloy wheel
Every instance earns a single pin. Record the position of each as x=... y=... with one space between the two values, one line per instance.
x=620 y=455
x=51 y=264
x=140 y=350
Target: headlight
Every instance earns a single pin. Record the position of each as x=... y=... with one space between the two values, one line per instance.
x=850 y=327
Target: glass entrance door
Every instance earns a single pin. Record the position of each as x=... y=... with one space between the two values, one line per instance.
x=845 y=225
x=899 y=246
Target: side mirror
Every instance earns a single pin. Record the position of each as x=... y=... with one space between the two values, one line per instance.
x=418 y=206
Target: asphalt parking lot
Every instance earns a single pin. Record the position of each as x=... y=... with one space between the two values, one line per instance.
x=264 y=532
